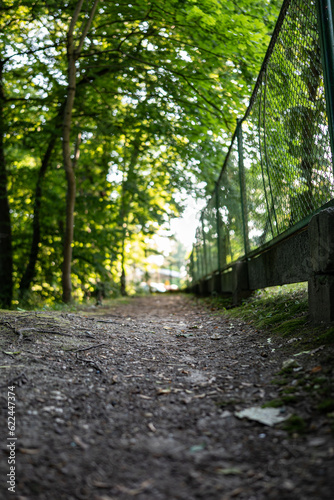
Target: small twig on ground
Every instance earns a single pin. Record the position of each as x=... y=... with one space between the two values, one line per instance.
x=88 y=348
x=26 y=328
x=22 y=376
x=8 y=354
x=13 y=328
x=32 y=353
x=54 y=333
x=30 y=328
x=6 y=323
x=90 y=362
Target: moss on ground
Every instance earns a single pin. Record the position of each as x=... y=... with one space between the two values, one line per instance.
x=281 y=310
x=295 y=425
x=275 y=308
x=326 y=405
x=282 y=313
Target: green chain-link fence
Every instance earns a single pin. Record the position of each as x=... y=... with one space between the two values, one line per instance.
x=278 y=171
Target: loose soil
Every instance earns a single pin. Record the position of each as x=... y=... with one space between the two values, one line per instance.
x=140 y=401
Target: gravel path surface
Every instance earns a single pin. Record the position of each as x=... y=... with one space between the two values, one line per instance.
x=143 y=401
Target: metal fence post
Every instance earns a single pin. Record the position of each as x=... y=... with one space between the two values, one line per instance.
x=196 y=262
x=205 y=266
x=243 y=197
x=325 y=10
x=191 y=268
x=218 y=226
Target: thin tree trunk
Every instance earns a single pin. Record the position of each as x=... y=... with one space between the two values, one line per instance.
x=70 y=177
x=6 y=252
x=309 y=124
x=30 y=270
x=72 y=55
x=125 y=206
x=124 y=230
x=123 y=275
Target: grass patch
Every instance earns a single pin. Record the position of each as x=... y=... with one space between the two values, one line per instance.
x=281 y=313
x=289 y=390
x=287 y=370
x=281 y=310
x=88 y=306
x=279 y=381
x=275 y=307
x=289 y=399
x=290 y=326
x=277 y=403
x=295 y=425
x=326 y=406
x=222 y=404
x=327 y=337
x=274 y=403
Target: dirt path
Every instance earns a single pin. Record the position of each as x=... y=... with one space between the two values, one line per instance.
x=140 y=401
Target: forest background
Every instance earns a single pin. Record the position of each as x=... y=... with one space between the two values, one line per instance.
x=111 y=115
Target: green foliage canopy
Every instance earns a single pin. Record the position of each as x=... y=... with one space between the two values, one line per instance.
x=159 y=87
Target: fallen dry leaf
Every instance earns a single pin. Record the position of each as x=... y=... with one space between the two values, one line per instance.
x=101 y=484
x=229 y=471
x=80 y=443
x=266 y=416
x=316 y=369
x=161 y=392
x=29 y=451
x=150 y=425
x=136 y=491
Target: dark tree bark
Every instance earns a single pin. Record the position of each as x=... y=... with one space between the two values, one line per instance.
x=6 y=251
x=30 y=270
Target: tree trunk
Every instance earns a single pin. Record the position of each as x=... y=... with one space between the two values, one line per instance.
x=6 y=252
x=123 y=283
x=312 y=79
x=30 y=270
x=29 y=273
x=72 y=55
x=126 y=203
x=70 y=177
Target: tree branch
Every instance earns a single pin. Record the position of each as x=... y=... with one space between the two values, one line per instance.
x=173 y=72
x=86 y=28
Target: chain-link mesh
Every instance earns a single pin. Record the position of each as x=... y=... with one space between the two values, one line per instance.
x=231 y=242
x=286 y=136
x=281 y=171
x=209 y=234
